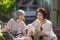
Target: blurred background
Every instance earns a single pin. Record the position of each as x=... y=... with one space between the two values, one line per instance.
x=8 y=10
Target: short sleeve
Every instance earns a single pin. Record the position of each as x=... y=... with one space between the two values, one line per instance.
x=9 y=24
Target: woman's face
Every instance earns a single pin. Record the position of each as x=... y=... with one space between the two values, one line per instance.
x=39 y=16
x=21 y=16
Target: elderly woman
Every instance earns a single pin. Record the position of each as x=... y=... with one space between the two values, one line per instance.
x=43 y=27
x=16 y=25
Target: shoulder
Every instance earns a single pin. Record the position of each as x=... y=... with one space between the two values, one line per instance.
x=23 y=23
x=37 y=20
x=48 y=21
x=35 y=23
x=11 y=20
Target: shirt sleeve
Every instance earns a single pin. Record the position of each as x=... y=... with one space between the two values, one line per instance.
x=24 y=27
x=49 y=29
x=30 y=28
x=35 y=23
x=9 y=24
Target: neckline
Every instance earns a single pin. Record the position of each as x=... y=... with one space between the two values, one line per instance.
x=18 y=23
x=44 y=23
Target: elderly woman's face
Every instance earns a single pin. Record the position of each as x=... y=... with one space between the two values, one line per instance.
x=39 y=15
x=21 y=16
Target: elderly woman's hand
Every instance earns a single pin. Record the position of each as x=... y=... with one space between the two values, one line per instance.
x=5 y=30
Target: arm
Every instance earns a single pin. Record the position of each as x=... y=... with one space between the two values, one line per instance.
x=42 y=34
x=5 y=29
x=30 y=30
x=8 y=26
x=30 y=33
x=24 y=29
x=32 y=27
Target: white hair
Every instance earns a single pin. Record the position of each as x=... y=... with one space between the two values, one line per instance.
x=18 y=12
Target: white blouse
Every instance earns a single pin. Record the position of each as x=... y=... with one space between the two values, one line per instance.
x=46 y=28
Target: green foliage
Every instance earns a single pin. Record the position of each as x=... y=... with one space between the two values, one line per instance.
x=6 y=7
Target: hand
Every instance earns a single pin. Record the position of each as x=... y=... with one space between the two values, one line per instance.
x=30 y=33
x=25 y=34
x=42 y=34
x=36 y=32
x=5 y=30
x=40 y=31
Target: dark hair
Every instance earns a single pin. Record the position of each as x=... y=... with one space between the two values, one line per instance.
x=43 y=12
